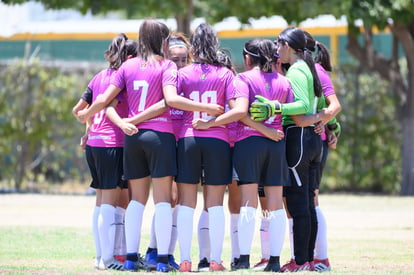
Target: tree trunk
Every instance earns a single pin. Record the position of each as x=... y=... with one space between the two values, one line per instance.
x=404 y=88
x=407 y=126
x=184 y=19
x=407 y=185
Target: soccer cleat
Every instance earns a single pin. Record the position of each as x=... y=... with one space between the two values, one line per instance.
x=242 y=265
x=261 y=265
x=234 y=264
x=111 y=264
x=120 y=258
x=115 y=265
x=135 y=265
x=203 y=265
x=164 y=267
x=292 y=266
x=321 y=265
x=151 y=259
x=215 y=266
x=96 y=263
x=172 y=262
x=185 y=267
x=130 y=265
x=272 y=267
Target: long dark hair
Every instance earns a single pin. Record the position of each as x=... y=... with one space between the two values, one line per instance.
x=205 y=44
x=151 y=37
x=262 y=52
x=296 y=39
x=322 y=54
x=116 y=54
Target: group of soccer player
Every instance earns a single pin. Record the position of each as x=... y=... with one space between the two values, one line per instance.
x=173 y=113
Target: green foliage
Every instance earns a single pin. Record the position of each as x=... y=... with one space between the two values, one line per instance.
x=367 y=157
x=36 y=124
x=378 y=12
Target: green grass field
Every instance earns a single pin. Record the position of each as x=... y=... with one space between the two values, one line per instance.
x=51 y=234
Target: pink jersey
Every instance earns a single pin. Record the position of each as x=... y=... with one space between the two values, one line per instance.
x=233 y=128
x=272 y=86
x=177 y=120
x=143 y=83
x=327 y=86
x=104 y=133
x=206 y=84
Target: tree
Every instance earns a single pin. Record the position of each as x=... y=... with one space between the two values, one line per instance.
x=37 y=125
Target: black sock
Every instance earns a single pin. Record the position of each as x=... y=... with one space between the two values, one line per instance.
x=132 y=257
x=274 y=260
x=149 y=249
x=162 y=259
x=244 y=258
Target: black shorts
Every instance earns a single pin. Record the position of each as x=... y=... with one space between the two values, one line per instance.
x=204 y=157
x=105 y=165
x=261 y=160
x=303 y=154
x=324 y=157
x=149 y=153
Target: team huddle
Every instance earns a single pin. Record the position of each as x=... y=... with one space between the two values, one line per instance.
x=172 y=113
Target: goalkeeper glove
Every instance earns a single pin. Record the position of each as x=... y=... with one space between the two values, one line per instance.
x=262 y=108
x=335 y=129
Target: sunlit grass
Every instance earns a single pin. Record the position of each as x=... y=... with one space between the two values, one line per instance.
x=44 y=234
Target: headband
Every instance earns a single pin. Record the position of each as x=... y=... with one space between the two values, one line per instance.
x=250 y=53
x=177 y=43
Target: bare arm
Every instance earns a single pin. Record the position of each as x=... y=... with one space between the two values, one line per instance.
x=127 y=128
x=82 y=104
x=270 y=133
x=239 y=107
x=334 y=107
x=100 y=102
x=84 y=138
x=153 y=111
x=182 y=103
x=306 y=120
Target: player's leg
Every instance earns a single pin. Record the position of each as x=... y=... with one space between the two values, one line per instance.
x=234 y=204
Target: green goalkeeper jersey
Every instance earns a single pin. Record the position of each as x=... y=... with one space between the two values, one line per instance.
x=306 y=102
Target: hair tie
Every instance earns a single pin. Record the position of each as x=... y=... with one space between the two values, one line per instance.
x=250 y=53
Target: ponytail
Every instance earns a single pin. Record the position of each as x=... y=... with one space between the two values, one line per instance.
x=322 y=57
x=263 y=53
x=322 y=54
x=317 y=87
x=116 y=54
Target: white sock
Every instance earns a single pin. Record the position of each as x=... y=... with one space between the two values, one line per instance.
x=173 y=240
x=106 y=220
x=277 y=230
x=235 y=251
x=264 y=238
x=185 y=231
x=119 y=245
x=153 y=238
x=216 y=231
x=321 y=244
x=246 y=225
x=95 y=231
x=163 y=225
x=292 y=247
x=133 y=223
x=203 y=236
